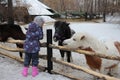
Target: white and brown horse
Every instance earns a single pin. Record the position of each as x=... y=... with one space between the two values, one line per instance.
x=87 y=42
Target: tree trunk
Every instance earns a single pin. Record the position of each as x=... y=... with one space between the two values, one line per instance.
x=10 y=13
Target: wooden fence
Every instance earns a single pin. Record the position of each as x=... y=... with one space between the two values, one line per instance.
x=50 y=59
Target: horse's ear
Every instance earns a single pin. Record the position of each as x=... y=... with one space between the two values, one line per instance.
x=66 y=23
x=82 y=37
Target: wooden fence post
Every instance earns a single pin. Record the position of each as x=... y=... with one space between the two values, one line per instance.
x=49 y=51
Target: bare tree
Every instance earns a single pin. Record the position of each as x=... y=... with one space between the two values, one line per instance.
x=10 y=11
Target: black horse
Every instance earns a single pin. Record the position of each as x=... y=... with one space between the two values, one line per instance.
x=62 y=32
x=13 y=31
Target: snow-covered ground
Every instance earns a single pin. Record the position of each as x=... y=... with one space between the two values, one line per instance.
x=11 y=70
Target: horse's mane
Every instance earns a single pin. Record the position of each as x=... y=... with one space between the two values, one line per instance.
x=60 y=23
x=7 y=26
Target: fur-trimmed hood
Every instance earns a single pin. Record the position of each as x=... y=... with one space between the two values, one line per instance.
x=39 y=20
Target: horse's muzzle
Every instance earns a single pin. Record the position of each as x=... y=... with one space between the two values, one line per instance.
x=64 y=43
x=55 y=39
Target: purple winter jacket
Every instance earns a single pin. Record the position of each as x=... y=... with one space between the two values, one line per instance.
x=33 y=35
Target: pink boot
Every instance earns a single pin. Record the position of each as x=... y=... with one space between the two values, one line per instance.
x=34 y=71
x=25 y=71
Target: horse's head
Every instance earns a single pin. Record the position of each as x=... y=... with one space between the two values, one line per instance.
x=16 y=32
x=61 y=31
x=13 y=31
x=4 y=32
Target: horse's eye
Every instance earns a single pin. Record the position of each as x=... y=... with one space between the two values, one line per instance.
x=74 y=39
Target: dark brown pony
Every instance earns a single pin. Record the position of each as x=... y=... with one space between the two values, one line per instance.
x=13 y=31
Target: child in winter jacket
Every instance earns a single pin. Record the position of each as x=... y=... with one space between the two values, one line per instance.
x=32 y=45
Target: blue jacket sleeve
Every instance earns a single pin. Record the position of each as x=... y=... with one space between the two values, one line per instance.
x=40 y=33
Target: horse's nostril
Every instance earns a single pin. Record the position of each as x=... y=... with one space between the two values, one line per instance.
x=54 y=38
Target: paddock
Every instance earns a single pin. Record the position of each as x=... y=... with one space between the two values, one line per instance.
x=51 y=60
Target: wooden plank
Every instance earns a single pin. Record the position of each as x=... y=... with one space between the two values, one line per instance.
x=16 y=49
x=43 y=44
x=102 y=76
x=15 y=41
x=66 y=75
x=11 y=49
x=102 y=55
x=20 y=50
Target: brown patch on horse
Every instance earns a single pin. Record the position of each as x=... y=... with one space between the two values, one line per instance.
x=112 y=66
x=117 y=45
x=94 y=62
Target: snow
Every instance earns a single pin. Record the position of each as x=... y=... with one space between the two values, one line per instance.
x=48 y=19
x=37 y=8
x=34 y=7
x=11 y=69
x=104 y=31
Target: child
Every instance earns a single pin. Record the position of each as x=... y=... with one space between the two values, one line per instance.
x=32 y=45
